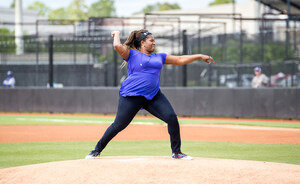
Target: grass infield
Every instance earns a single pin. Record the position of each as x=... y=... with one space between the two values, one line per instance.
x=18 y=154
x=79 y=120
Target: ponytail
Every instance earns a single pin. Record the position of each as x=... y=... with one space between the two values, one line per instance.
x=133 y=41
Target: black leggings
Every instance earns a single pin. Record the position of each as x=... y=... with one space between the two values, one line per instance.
x=128 y=107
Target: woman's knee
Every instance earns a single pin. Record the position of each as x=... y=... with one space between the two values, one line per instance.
x=171 y=118
x=119 y=126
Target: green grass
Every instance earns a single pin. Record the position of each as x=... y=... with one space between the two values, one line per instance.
x=17 y=154
x=79 y=120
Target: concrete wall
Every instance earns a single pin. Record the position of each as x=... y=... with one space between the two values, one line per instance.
x=236 y=102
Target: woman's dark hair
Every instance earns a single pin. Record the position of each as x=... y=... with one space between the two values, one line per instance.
x=134 y=39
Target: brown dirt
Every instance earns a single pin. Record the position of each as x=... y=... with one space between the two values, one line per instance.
x=150 y=170
x=223 y=133
x=131 y=170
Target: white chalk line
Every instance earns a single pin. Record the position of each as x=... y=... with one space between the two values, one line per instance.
x=77 y=121
x=245 y=127
x=242 y=127
x=60 y=120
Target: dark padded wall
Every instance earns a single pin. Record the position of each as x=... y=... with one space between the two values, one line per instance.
x=236 y=102
x=105 y=100
x=285 y=103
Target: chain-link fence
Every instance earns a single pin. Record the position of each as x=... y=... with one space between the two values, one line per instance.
x=83 y=54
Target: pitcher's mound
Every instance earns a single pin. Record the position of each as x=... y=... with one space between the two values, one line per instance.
x=130 y=170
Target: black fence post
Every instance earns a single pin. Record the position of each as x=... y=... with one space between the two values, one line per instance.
x=295 y=36
x=209 y=75
x=36 y=52
x=239 y=76
x=51 y=61
x=115 y=68
x=218 y=76
x=293 y=73
x=241 y=55
x=262 y=40
x=74 y=48
x=199 y=35
x=287 y=30
x=184 y=52
x=224 y=47
x=270 y=73
x=241 y=42
x=37 y=42
x=88 y=54
x=88 y=42
x=105 y=73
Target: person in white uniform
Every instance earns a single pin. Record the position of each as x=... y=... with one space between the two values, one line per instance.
x=9 y=81
x=260 y=80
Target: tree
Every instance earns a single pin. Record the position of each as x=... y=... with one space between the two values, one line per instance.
x=102 y=8
x=40 y=7
x=160 y=7
x=149 y=9
x=60 y=13
x=168 y=6
x=6 y=37
x=5 y=31
x=77 y=10
x=13 y=4
x=217 y=2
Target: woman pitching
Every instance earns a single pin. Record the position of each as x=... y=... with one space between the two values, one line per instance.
x=141 y=88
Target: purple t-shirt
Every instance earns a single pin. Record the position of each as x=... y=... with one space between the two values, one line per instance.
x=143 y=74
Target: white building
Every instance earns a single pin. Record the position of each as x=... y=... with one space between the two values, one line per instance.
x=30 y=17
x=248 y=9
x=214 y=20
x=7 y=19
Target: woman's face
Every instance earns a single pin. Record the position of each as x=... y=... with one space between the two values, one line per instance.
x=257 y=73
x=149 y=43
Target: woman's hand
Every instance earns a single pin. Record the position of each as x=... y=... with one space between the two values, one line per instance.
x=114 y=33
x=207 y=59
x=121 y=50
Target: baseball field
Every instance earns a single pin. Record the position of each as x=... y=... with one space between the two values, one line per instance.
x=35 y=148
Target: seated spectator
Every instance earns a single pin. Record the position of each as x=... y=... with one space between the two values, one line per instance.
x=260 y=80
x=10 y=80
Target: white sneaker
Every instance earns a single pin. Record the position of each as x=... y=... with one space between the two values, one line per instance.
x=181 y=156
x=92 y=155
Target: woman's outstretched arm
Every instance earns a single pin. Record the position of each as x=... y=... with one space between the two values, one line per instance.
x=122 y=50
x=186 y=59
